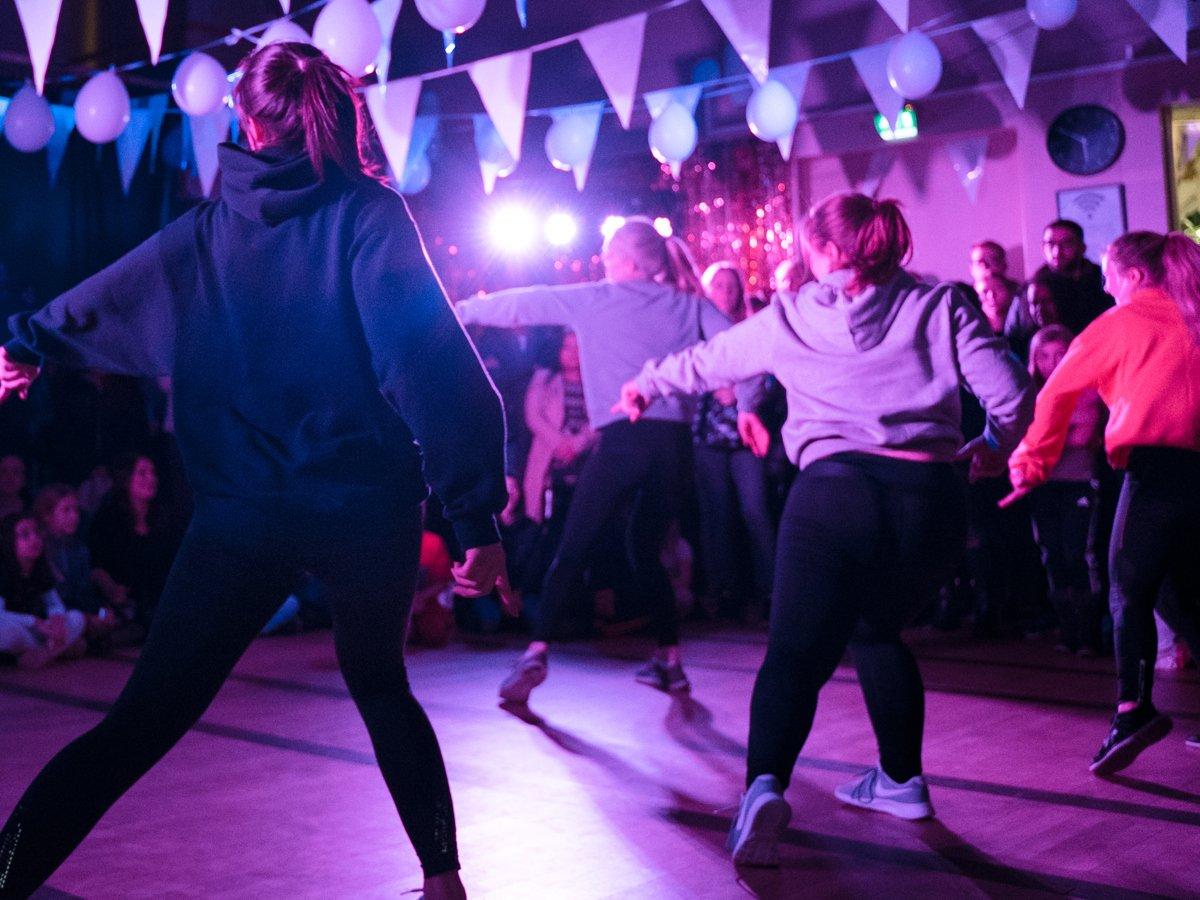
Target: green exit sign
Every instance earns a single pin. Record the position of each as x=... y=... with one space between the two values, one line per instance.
x=905 y=128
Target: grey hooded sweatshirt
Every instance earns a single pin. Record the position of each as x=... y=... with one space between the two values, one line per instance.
x=876 y=371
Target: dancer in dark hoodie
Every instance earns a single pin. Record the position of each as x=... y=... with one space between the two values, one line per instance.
x=872 y=362
x=310 y=346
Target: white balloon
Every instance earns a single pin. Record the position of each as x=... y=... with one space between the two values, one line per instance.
x=1050 y=14
x=673 y=134
x=285 y=31
x=914 y=65
x=28 y=124
x=451 y=15
x=102 y=108
x=570 y=141
x=492 y=149
x=349 y=33
x=199 y=85
x=417 y=173
x=772 y=111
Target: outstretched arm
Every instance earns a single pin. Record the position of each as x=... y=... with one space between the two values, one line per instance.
x=542 y=305
x=429 y=371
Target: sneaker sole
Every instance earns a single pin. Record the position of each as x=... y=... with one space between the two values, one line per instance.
x=518 y=691
x=1123 y=754
x=911 y=812
x=758 y=844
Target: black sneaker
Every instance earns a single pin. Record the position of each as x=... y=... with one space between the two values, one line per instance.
x=1131 y=733
x=662 y=676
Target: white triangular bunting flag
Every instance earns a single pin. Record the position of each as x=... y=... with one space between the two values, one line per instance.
x=39 y=21
x=156 y=105
x=207 y=134
x=131 y=144
x=503 y=85
x=591 y=112
x=1169 y=20
x=871 y=63
x=153 y=14
x=615 y=51
x=747 y=26
x=687 y=96
x=64 y=124
x=898 y=10
x=386 y=12
x=1011 y=38
x=968 y=156
x=393 y=108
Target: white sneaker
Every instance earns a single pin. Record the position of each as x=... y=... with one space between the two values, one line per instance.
x=874 y=790
x=761 y=819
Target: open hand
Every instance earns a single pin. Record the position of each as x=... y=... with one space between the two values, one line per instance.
x=483 y=570
x=15 y=377
x=754 y=433
x=632 y=403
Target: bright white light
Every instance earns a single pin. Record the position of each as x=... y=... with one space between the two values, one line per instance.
x=610 y=224
x=512 y=229
x=663 y=226
x=561 y=229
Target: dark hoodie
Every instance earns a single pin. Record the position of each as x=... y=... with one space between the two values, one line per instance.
x=309 y=344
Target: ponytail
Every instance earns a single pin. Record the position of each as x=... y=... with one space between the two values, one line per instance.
x=658 y=259
x=299 y=100
x=680 y=270
x=1170 y=262
x=871 y=234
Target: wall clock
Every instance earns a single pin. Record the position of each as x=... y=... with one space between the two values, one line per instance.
x=1084 y=140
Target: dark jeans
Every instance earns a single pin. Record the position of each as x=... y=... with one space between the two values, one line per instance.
x=640 y=462
x=732 y=488
x=1010 y=583
x=1064 y=526
x=235 y=565
x=863 y=544
x=1156 y=537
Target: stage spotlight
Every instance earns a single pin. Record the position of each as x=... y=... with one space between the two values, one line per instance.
x=663 y=226
x=610 y=225
x=512 y=229
x=561 y=229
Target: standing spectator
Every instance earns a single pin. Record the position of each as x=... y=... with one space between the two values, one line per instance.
x=35 y=627
x=731 y=481
x=996 y=295
x=1064 y=508
x=988 y=260
x=132 y=542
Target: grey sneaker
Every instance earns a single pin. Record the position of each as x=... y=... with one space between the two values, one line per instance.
x=874 y=790
x=528 y=673
x=662 y=676
x=761 y=819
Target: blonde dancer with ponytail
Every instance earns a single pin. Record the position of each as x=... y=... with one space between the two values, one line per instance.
x=648 y=305
x=1143 y=357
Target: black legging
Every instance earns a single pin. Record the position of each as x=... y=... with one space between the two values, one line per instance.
x=645 y=462
x=235 y=566
x=1156 y=537
x=863 y=543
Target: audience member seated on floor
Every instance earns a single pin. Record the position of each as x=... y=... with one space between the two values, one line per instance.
x=93 y=491
x=35 y=626
x=432 y=614
x=13 y=482
x=132 y=541
x=56 y=508
x=1064 y=508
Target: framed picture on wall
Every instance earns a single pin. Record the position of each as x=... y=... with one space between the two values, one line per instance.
x=1181 y=144
x=1101 y=212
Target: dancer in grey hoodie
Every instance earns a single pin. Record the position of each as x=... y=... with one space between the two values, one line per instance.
x=872 y=362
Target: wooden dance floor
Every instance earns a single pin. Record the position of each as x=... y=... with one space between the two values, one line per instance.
x=611 y=789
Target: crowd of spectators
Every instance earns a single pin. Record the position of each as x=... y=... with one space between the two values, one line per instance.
x=93 y=501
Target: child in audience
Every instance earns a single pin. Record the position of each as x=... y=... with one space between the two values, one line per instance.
x=35 y=626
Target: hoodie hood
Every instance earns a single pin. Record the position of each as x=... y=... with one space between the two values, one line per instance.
x=823 y=313
x=270 y=189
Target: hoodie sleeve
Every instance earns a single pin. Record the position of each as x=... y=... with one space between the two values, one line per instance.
x=753 y=391
x=992 y=373
x=541 y=305
x=737 y=355
x=428 y=369
x=122 y=319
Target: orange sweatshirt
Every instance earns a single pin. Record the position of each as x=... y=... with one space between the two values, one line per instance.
x=1145 y=364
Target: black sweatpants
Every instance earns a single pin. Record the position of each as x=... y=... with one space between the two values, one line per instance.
x=1156 y=537
x=644 y=462
x=235 y=565
x=863 y=544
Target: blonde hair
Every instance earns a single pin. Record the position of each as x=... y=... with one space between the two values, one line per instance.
x=1171 y=262
x=1051 y=334
x=664 y=260
x=741 y=309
